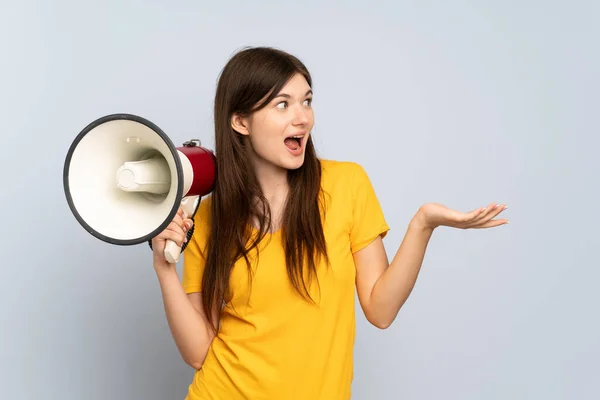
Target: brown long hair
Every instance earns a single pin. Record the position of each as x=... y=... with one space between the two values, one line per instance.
x=252 y=75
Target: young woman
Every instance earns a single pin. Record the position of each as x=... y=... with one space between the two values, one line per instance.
x=265 y=309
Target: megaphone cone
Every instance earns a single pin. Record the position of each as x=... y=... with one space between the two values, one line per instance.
x=124 y=179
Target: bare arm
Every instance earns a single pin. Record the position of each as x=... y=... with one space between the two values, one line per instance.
x=384 y=287
x=188 y=323
x=185 y=314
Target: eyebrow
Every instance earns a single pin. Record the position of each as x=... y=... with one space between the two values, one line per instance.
x=287 y=96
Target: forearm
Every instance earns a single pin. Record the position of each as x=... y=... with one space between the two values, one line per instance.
x=396 y=283
x=189 y=327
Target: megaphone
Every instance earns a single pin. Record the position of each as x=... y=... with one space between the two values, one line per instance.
x=125 y=180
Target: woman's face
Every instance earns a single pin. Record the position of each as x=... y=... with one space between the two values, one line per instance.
x=279 y=132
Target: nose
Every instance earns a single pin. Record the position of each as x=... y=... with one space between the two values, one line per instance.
x=301 y=116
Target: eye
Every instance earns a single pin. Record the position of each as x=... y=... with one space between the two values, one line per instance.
x=308 y=102
x=282 y=105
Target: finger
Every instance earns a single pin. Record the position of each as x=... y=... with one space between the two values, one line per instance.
x=178 y=219
x=491 y=224
x=177 y=237
x=490 y=212
x=493 y=213
x=187 y=226
x=180 y=223
x=176 y=229
x=485 y=212
x=179 y=215
x=474 y=215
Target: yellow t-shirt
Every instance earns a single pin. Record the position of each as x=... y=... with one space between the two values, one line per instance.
x=277 y=345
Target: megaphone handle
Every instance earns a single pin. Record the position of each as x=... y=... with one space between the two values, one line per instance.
x=172 y=250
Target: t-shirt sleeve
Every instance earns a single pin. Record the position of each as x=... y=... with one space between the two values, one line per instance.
x=194 y=259
x=368 y=220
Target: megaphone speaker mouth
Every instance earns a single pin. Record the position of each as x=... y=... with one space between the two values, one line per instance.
x=124 y=179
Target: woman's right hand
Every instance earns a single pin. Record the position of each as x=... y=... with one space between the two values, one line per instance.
x=175 y=231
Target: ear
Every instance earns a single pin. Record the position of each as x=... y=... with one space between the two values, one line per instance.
x=240 y=124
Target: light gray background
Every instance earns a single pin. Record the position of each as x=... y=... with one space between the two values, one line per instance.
x=457 y=102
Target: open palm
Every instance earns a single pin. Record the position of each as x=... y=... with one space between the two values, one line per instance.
x=435 y=215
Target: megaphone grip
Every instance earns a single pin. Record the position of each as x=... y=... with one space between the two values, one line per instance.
x=189 y=205
x=172 y=252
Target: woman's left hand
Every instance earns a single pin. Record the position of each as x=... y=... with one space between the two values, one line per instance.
x=433 y=215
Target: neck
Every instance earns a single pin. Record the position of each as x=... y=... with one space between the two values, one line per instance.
x=274 y=186
x=272 y=180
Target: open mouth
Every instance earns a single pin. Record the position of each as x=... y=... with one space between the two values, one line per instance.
x=294 y=142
